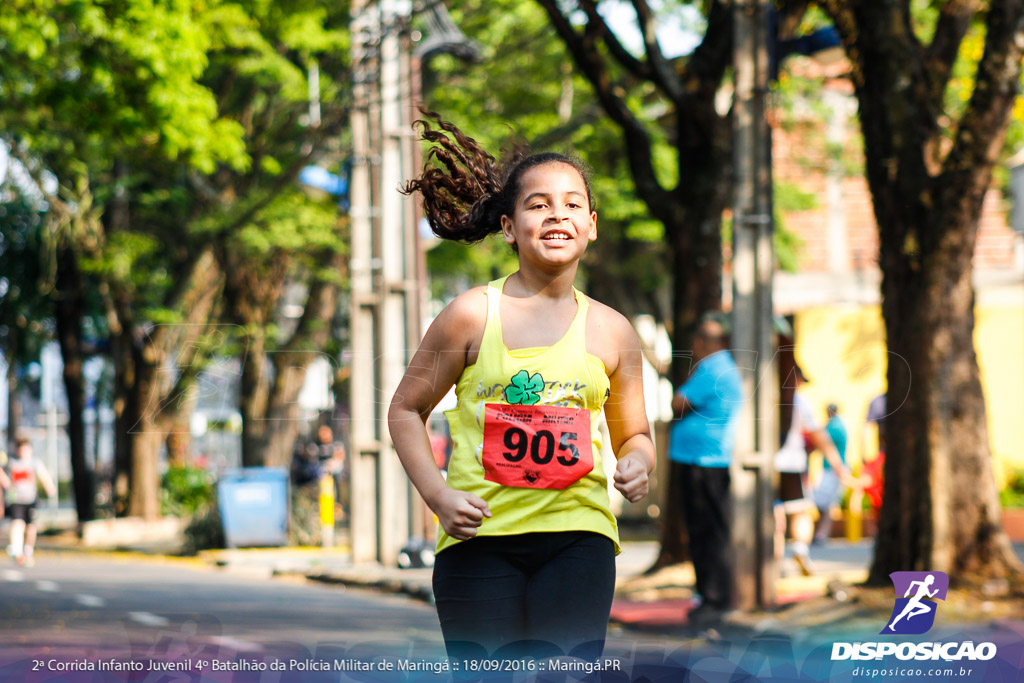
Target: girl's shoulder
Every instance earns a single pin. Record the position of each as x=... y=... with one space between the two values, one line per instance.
x=609 y=334
x=461 y=321
x=468 y=307
x=610 y=321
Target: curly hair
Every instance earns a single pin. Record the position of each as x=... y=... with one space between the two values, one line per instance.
x=465 y=190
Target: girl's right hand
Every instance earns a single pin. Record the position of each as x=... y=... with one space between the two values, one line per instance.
x=460 y=513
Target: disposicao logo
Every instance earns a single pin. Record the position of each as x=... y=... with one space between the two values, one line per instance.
x=914 y=613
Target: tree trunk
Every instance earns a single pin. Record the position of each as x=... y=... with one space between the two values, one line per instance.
x=270 y=411
x=159 y=396
x=179 y=440
x=283 y=409
x=940 y=507
x=694 y=295
x=70 y=309
x=126 y=417
x=13 y=404
x=696 y=252
x=291 y=363
x=254 y=398
x=146 y=436
x=252 y=290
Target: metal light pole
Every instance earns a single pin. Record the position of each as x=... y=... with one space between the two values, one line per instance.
x=753 y=346
x=385 y=290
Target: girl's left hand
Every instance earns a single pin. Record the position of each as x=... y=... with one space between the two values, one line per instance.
x=631 y=478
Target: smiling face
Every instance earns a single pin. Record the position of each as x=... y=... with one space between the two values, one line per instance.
x=552 y=221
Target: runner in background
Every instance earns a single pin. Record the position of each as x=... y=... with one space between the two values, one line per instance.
x=795 y=510
x=525 y=555
x=26 y=474
x=5 y=483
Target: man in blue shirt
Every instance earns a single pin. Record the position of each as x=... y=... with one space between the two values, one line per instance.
x=708 y=406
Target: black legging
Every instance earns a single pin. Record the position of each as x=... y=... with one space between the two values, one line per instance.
x=537 y=594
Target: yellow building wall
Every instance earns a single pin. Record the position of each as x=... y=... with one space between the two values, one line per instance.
x=999 y=341
x=842 y=349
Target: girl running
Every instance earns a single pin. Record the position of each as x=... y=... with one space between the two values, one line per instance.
x=525 y=555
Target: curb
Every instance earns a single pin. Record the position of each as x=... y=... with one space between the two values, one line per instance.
x=412 y=589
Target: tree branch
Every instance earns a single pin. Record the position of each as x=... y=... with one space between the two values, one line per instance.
x=954 y=20
x=596 y=23
x=204 y=286
x=638 y=143
x=201 y=274
x=980 y=136
x=314 y=325
x=588 y=115
x=848 y=25
x=662 y=71
x=791 y=12
x=706 y=66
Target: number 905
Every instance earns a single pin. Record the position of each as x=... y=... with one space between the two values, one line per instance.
x=541 y=446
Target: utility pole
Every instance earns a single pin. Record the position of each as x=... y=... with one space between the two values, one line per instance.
x=753 y=346
x=385 y=289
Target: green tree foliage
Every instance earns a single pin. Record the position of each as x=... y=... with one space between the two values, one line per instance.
x=294 y=239
x=26 y=314
x=176 y=131
x=25 y=274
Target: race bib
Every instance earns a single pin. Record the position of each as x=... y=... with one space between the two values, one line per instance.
x=537 y=447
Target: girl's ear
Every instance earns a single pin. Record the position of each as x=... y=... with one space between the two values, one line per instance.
x=593 y=226
x=506 y=230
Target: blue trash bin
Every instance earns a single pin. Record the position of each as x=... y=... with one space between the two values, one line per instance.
x=253 y=503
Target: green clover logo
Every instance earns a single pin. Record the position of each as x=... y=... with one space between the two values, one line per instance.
x=524 y=390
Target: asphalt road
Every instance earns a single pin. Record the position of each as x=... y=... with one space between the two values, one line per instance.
x=72 y=612
x=70 y=608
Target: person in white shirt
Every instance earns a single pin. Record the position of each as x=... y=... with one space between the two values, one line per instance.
x=26 y=474
x=797 y=508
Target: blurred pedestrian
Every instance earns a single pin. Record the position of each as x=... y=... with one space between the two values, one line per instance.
x=874 y=467
x=5 y=483
x=876 y=417
x=795 y=510
x=305 y=466
x=326 y=446
x=26 y=475
x=708 y=406
x=334 y=462
x=828 y=490
x=527 y=542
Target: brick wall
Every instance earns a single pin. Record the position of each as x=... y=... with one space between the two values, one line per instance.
x=799 y=158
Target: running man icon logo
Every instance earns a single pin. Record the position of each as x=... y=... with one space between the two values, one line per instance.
x=914 y=613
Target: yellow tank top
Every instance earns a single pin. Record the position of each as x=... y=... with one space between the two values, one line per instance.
x=566 y=386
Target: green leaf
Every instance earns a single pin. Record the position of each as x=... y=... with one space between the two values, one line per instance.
x=524 y=389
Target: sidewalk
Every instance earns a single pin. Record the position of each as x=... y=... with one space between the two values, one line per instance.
x=663 y=600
